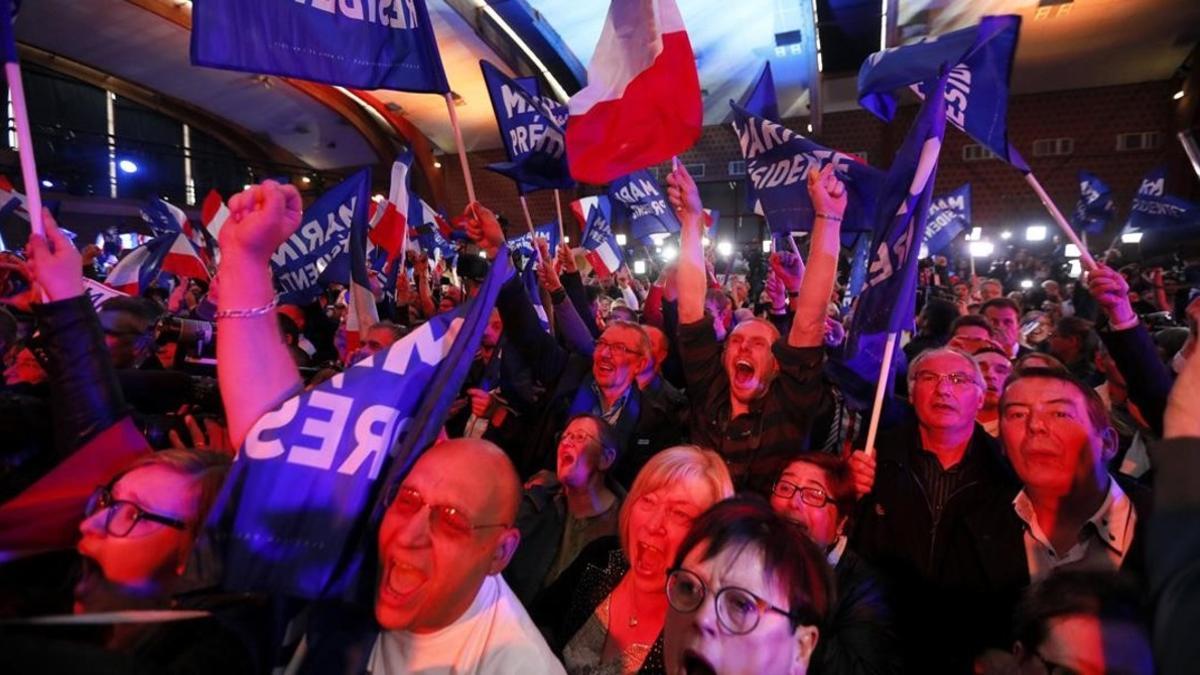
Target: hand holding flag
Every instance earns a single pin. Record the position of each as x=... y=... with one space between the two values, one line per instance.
x=484 y=228
x=54 y=262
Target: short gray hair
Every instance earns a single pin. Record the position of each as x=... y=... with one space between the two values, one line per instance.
x=939 y=351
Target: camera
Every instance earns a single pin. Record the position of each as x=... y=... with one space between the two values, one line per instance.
x=192 y=337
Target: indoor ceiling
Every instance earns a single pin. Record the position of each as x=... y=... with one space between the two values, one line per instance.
x=1064 y=45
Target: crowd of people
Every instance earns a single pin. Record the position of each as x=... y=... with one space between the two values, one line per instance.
x=673 y=478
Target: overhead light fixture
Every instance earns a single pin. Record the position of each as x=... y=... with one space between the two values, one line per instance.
x=378 y=198
x=976 y=234
x=923 y=252
x=980 y=249
x=47 y=183
x=1076 y=270
x=639 y=266
x=1178 y=95
x=127 y=165
x=1007 y=234
x=658 y=238
x=567 y=238
x=766 y=246
x=705 y=241
x=305 y=179
x=1131 y=238
x=1027 y=283
x=621 y=239
x=486 y=8
x=437 y=164
x=246 y=186
x=809 y=127
x=725 y=249
x=1035 y=233
x=1071 y=251
x=669 y=253
x=482 y=253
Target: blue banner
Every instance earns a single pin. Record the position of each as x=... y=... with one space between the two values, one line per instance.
x=366 y=45
x=300 y=510
x=858 y=267
x=777 y=164
x=638 y=200
x=760 y=101
x=314 y=255
x=1095 y=208
x=162 y=217
x=1154 y=209
x=949 y=215
x=888 y=300
x=534 y=290
x=523 y=245
x=979 y=60
x=533 y=137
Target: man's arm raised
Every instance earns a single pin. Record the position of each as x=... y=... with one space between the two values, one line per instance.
x=254 y=369
x=828 y=196
x=690 y=274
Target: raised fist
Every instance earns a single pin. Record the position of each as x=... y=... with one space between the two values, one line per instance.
x=261 y=218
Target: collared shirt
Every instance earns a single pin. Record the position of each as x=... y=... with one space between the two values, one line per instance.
x=1102 y=544
x=940 y=483
x=834 y=556
x=591 y=400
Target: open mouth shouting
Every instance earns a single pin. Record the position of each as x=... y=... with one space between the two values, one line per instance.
x=400 y=582
x=743 y=373
x=651 y=560
x=693 y=663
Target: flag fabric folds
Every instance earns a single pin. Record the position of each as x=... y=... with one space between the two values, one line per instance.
x=979 y=60
x=300 y=510
x=1154 y=209
x=949 y=215
x=170 y=252
x=1095 y=207
x=600 y=245
x=887 y=303
x=533 y=139
x=760 y=101
x=214 y=213
x=316 y=253
x=582 y=208
x=163 y=216
x=642 y=102
x=384 y=45
x=640 y=202
x=523 y=245
x=363 y=313
x=777 y=164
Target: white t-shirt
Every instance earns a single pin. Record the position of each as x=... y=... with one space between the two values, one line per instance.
x=494 y=635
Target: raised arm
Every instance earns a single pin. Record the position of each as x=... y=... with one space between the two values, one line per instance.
x=828 y=196
x=690 y=275
x=254 y=369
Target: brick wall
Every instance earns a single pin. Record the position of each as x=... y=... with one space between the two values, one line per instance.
x=1000 y=197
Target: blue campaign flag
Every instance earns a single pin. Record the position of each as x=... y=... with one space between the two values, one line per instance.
x=600 y=244
x=858 y=267
x=8 y=46
x=979 y=60
x=949 y=215
x=523 y=245
x=534 y=290
x=777 y=164
x=1154 y=209
x=299 y=513
x=760 y=100
x=532 y=135
x=638 y=200
x=887 y=303
x=1095 y=207
x=316 y=253
x=366 y=45
x=163 y=217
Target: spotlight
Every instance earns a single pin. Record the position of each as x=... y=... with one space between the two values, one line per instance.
x=1131 y=238
x=482 y=253
x=305 y=179
x=567 y=238
x=976 y=234
x=379 y=198
x=980 y=249
x=47 y=183
x=1071 y=251
x=621 y=239
x=923 y=252
x=1035 y=233
x=766 y=245
x=437 y=164
x=127 y=166
x=1006 y=235
x=669 y=253
x=1178 y=95
x=1027 y=283
x=1076 y=270
x=658 y=238
x=705 y=242
x=725 y=249
x=639 y=266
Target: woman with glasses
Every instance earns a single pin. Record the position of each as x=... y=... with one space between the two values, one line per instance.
x=605 y=613
x=747 y=592
x=816 y=492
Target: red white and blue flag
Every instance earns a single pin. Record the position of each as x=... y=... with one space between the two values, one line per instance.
x=600 y=245
x=214 y=213
x=170 y=252
x=642 y=102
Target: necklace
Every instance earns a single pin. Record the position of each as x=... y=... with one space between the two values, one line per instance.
x=633 y=620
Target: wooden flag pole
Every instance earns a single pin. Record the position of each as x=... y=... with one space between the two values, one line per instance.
x=532 y=232
x=462 y=151
x=558 y=210
x=1084 y=255
x=33 y=189
x=880 y=389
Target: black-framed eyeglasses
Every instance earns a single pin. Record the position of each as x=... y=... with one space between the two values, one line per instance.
x=738 y=610
x=449 y=520
x=809 y=495
x=616 y=347
x=122 y=516
x=932 y=379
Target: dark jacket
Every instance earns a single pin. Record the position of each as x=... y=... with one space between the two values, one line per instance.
x=916 y=552
x=563 y=374
x=858 y=636
x=1173 y=562
x=1147 y=379
x=568 y=603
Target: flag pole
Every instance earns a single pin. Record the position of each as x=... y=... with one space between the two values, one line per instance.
x=558 y=210
x=1057 y=215
x=462 y=151
x=532 y=233
x=880 y=389
x=33 y=189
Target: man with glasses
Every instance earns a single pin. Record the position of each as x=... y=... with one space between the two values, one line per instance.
x=441 y=605
x=927 y=479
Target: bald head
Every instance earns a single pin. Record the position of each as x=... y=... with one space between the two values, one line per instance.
x=482 y=471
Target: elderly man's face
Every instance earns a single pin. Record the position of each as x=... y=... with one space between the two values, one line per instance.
x=438 y=540
x=618 y=358
x=1049 y=437
x=946 y=392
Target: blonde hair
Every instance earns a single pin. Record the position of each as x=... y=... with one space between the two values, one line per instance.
x=671 y=467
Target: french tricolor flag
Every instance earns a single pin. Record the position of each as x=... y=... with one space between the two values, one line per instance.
x=171 y=252
x=600 y=246
x=214 y=213
x=642 y=102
